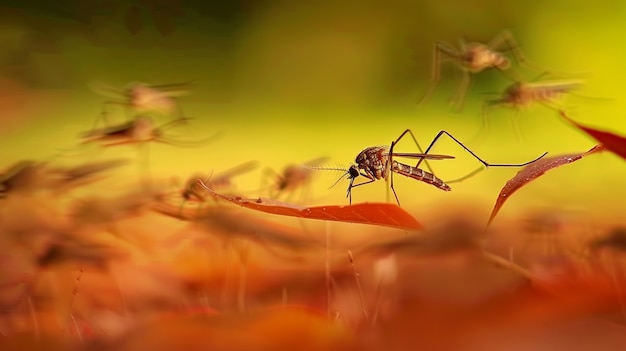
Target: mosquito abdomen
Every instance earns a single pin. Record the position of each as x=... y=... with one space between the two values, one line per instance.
x=420 y=174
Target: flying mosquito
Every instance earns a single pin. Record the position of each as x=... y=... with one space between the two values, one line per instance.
x=193 y=192
x=521 y=95
x=141 y=129
x=143 y=98
x=292 y=178
x=140 y=132
x=376 y=163
x=473 y=58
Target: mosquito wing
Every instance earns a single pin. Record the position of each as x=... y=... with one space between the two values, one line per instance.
x=107 y=91
x=237 y=170
x=171 y=90
x=316 y=162
x=120 y=129
x=422 y=156
x=557 y=85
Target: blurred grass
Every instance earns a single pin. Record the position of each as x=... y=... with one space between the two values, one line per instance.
x=291 y=81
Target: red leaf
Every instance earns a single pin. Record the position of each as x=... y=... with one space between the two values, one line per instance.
x=132 y=19
x=612 y=142
x=534 y=171
x=383 y=214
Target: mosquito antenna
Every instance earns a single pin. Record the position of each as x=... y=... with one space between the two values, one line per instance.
x=316 y=168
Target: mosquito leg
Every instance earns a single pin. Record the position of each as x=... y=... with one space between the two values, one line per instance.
x=506 y=40
x=514 y=124
x=393 y=189
x=144 y=164
x=181 y=208
x=459 y=96
x=180 y=115
x=304 y=192
x=484 y=128
x=351 y=186
x=290 y=195
x=441 y=48
x=419 y=147
x=485 y=163
x=390 y=162
x=104 y=113
x=265 y=176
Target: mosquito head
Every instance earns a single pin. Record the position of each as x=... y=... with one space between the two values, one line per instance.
x=353 y=172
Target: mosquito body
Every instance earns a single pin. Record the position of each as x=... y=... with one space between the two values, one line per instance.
x=376 y=163
x=473 y=58
x=521 y=95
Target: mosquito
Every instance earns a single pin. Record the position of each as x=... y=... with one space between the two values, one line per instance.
x=194 y=192
x=142 y=98
x=142 y=129
x=294 y=176
x=376 y=163
x=473 y=58
x=139 y=132
x=521 y=95
x=17 y=176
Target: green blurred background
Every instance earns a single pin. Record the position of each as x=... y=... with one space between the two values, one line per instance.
x=290 y=81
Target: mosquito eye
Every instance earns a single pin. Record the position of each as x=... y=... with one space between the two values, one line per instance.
x=354 y=172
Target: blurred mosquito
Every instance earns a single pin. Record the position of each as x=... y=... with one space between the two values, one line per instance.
x=294 y=176
x=141 y=129
x=376 y=163
x=142 y=98
x=521 y=95
x=194 y=192
x=139 y=132
x=16 y=176
x=473 y=58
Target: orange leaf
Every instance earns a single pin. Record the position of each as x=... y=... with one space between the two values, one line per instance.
x=612 y=142
x=534 y=171
x=132 y=19
x=383 y=214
